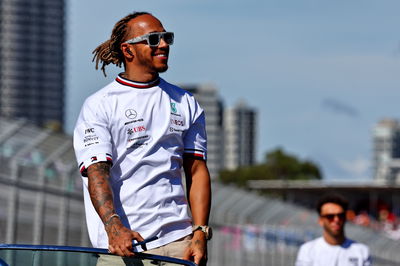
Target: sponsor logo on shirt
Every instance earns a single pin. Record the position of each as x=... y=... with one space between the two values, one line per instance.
x=134 y=121
x=176 y=125
x=136 y=129
x=90 y=138
x=138 y=141
x=172 y=129
x=89 y=131
x=177 y=122
x=136 y=137
x=130 y=114
x=173 y=108
x=353 y=261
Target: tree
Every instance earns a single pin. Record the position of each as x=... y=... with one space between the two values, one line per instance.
x=278 y=165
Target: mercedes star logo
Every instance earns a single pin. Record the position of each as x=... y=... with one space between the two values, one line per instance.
x=130 y=113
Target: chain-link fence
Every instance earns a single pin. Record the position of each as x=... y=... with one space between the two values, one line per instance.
x=41 y=203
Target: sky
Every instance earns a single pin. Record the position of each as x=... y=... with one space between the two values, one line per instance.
x=319 y=73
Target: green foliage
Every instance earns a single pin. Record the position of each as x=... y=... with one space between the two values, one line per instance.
x=277 y=165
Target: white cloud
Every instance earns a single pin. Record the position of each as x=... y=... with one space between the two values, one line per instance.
x=357 y=168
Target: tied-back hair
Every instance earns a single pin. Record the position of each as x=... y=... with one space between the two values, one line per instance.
x=109 y=51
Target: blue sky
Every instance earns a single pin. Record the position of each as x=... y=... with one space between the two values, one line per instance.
x=320 y=73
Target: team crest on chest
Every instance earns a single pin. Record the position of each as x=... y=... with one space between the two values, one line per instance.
x=131 y=114
x=173 y=108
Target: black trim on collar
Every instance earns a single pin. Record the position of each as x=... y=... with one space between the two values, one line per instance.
x=135 y=84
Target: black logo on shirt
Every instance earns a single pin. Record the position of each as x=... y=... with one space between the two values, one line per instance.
x=89 y=131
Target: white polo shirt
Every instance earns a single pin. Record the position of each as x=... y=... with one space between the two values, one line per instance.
x=143 y=130
x=319 y=253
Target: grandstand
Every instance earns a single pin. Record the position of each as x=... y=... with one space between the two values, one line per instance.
x=41 y=203
x=41 y=192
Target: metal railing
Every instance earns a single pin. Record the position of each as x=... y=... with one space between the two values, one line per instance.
x=38 y=255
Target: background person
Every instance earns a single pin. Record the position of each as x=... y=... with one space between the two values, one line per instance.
x=333 y=248
x=132 y=139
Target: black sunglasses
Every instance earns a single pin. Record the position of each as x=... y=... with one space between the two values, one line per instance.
x=332 y=216
x=153 y=39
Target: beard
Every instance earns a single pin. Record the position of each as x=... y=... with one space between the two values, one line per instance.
x=147 y=62
x=162 y=69
x=334 y=233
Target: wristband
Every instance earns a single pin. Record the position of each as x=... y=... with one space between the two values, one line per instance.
x=108 y=221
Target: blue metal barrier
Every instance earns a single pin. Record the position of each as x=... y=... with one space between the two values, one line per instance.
x=94 y=251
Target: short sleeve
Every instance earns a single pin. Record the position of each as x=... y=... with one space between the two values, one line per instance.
x=302 y=257
x=195 y=139
x=92 y=138
x=367 y=260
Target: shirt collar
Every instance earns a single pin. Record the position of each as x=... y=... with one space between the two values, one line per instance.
x=135 y=84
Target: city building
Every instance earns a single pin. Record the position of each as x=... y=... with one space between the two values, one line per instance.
x=207 y=96
x=240 y=136
x=386 y=150
x=32 y=61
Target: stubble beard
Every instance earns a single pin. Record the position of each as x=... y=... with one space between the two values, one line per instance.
x=149 y=64
x=163 y=69
x=335 y=234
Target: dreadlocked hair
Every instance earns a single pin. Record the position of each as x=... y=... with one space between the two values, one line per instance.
x=109 y=51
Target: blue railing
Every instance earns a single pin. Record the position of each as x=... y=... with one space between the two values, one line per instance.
x=94 y=251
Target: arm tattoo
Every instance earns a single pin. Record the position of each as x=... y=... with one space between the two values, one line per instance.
x=100 y=189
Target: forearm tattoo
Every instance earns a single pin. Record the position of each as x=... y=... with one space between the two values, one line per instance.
x=100 y=189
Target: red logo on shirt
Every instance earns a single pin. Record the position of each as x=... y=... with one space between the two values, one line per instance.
x=136 y=129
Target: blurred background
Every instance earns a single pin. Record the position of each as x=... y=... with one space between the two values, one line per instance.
x=300 y=99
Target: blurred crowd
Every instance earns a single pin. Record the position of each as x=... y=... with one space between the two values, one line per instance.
x=385 y=220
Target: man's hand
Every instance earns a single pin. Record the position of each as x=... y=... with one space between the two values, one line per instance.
x=197 y=250
x=120 y=238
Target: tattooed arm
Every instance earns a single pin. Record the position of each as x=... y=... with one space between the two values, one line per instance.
x=199 y=195
x=119 y=237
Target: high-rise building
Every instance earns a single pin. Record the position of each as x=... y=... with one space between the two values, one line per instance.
x=32 y=60
x=386 y=154
x=209 y=100
x=240 y=136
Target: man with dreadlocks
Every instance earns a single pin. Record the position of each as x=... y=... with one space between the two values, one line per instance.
x=132 y=139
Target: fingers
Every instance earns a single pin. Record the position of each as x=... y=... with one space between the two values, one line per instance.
x=187 y=254
x=124 y=249
x=137 y=236
x=127 y=250
x=197 y=251
x=198 y=258
x=203 y=262
x=111 y=249
x=120 y=242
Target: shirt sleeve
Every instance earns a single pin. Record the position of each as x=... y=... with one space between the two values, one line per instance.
x=302 y=257
x=195 y=139
x=92 y=138
x=368 y=260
